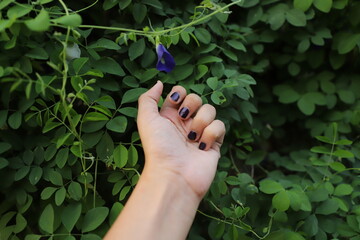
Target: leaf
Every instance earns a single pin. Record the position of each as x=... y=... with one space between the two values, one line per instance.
x=47 y=192
x=4 y=3
x=62 y=139
x=105 y=44
x=72 y=20
x=21 y=173
x=212 y=82
x=343 y=190
x=132 y=156
x=46 y=221
x=296 y=17
x=15 y=119
x=209 y=59
x=269 y=186
x=109 y=65
x=94 y=218
x=306 y=105
x=78 y=63
x=132 y=95
x=40 y=23
x=62 y=157
x=95 y=116
x=236 y=45
x=124 y=192
x=75 y=191
x=70 y=215
x=56 y=178
x=139 y=12
x=303 y=5
x=120 y=156
x=4 y=146
x=323 y=5
x=20 y=223
x=19 y=10
x=328 y=207
x=136 y=49
x=343 y=153
x=337 y=166
x=348 y=42
x=49 y=125
x=3 y=163
x=60 y=196
x=281 y=201
x=203 y=35
x=35 y=175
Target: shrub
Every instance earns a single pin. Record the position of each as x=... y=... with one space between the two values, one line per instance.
x=70 y=76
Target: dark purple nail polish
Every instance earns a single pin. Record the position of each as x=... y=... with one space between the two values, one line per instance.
x=175 y=96
x=202 y=146
x=184 y=112
x=192 y=135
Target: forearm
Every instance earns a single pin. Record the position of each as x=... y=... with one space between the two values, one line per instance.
x=162 y=206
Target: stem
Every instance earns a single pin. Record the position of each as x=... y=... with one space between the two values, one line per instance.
x=139 y=32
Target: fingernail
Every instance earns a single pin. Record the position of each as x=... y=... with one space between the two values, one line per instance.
x=192 y=135
x=184 y=112
x=202 y=146
x=175 y=96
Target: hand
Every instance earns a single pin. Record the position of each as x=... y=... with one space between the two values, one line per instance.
x=177 y=142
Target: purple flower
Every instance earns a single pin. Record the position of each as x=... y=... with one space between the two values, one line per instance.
x=165 y=61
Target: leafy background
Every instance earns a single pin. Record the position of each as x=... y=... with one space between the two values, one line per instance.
x=284 y=76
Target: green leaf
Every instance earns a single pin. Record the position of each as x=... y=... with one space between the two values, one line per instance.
x=132 y=156
x=56 y=178
x=35 y=175
x=337 y=166
x=212 y=82
x=40 y=23
x=281 y=201
x=4 y=3
x=4 y=146
x=311 y=225
x=47 y=192
x=328 y=207
x=15 y=119
x=109 y=65
x=323 y=5
x=46 y=221
x=70 y=215
x=3 y=163
x=132 y=95
x=21 y=173
x=348 y=42
x=95 y=116
x=72 y=20
x=60 y=196
x=75 y=191
x=78 y=63
x=139 y=12
x=105 y=44
x=203 y=35
x=108 y=4
x=49 y=125
x=37 y=53
x=62 y=157
x=343 y=189
x=21 y=223
x=19 y=10
x=321 y=149
x=33 y=237
x=94 y=218
x=148 y=74
x=303 y=5
x=255 y=157
x=343 y=153
x=117 y=124
x=236 y=45
x=218 y=98
x=120 y=156
x=296 y=17
x=62 y=139
x=209 y=59
x=136 y=49
x=269 y=186
x=306 y=105
x=124 y=192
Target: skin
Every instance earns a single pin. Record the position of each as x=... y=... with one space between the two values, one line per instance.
x=177 y=174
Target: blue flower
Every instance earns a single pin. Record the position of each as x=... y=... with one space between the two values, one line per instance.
x=165 y=61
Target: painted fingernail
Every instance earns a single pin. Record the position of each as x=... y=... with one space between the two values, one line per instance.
x=184 y=112
x=202 y=146
x=192 y=135
x=175 y=96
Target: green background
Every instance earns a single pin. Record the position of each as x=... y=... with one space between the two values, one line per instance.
x=283 y=75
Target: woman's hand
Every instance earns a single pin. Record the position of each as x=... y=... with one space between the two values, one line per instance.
x=183 y=139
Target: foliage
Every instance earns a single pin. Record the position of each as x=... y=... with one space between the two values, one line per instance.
x=70 y=153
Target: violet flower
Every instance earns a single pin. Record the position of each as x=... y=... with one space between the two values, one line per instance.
x=165 y=61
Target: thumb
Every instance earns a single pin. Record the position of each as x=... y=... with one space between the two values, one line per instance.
x=148 y=102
